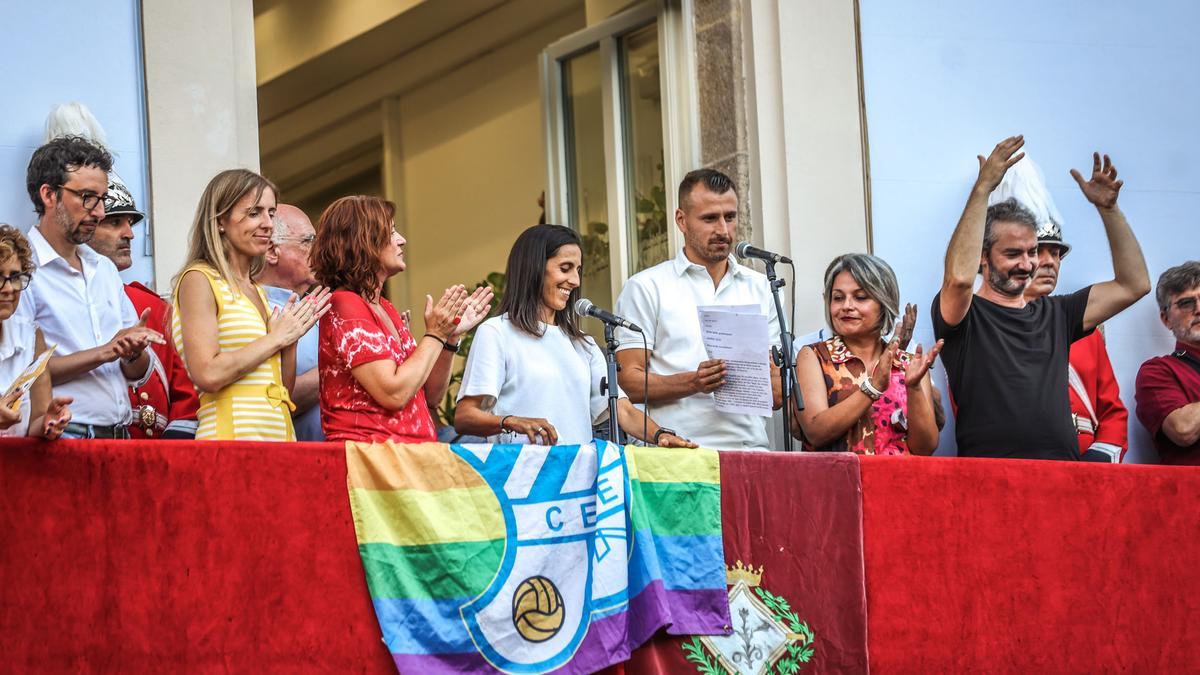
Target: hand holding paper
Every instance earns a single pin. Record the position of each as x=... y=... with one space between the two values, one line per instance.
x=737 y=336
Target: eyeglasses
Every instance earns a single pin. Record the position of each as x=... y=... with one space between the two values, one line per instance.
x=1186 y=305
x=90 y=200
x=19 y=280
x=305 y=241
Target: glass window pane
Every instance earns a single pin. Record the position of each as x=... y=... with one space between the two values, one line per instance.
x=587 y=191
x=641 y=97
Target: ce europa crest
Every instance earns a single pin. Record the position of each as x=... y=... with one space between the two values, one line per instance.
x=768 y=636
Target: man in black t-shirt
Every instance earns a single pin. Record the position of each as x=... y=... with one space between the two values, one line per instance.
x=1006 y=359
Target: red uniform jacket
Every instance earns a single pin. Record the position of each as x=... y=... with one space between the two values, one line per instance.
x=174 y=399
x=1089 y=358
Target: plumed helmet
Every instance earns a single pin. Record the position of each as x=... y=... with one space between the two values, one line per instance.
x=1024 y=182
x=119 y=201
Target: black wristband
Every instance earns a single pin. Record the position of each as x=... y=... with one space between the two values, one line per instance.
x=663 y=430
x=502 y=421
x=452 y=348
x=431 y=335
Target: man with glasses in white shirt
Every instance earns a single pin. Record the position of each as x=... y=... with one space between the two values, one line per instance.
x=77 y=297
x=286 y=271
x=663 y=301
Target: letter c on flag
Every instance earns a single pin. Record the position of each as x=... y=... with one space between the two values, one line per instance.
x=554 y=526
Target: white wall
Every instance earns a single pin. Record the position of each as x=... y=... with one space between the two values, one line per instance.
x=945 y=81
x=67 y=50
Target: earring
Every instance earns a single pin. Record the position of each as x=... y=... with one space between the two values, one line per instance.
x=221 y=230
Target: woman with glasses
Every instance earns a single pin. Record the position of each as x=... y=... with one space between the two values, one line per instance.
x=533 y=374
x=376 y=378
x=26 y=411
x=241 y=356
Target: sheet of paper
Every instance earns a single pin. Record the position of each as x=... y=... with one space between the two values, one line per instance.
x=738 y=335
x=27 y=377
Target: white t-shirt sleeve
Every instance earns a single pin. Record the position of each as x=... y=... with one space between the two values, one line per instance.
x=485 y=372
x=639 y=304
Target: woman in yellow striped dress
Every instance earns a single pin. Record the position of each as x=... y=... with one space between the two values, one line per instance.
x=242 y=359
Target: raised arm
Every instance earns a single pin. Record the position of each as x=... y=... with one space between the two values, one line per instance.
x=1131 y=280
x=966 y=244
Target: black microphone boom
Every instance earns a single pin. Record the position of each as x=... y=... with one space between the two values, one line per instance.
x=586 y=308
x=745 y=250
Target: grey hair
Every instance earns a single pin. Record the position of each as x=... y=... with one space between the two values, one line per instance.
x=74 y=119
x=1007 y=211
x=1177 y=280
x=875 y=277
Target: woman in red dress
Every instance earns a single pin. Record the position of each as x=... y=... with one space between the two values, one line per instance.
x=376 y=378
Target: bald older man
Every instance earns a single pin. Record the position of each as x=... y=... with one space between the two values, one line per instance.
x=286 y=271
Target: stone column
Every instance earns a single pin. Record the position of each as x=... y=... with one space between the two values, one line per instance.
x=721 y=99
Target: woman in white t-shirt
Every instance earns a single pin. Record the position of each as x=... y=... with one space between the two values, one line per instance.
x=28 y=411
x=532 y=373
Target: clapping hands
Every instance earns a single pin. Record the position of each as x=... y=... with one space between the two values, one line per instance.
x=475 y=309
x=57 y=416
x=129 y=343
x=290 y=322
x=457 y=311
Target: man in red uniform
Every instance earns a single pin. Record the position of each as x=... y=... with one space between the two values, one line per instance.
x=165 y=406
x=1168 y=387
x=1100 y=417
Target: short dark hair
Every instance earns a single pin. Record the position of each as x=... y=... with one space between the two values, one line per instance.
x=713 y=180
x=1007 y=211
x=1177 y=280
x=51 y=163
x=525 y=273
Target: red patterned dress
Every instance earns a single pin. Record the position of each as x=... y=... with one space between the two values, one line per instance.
x=883 y=429
x=351 y=335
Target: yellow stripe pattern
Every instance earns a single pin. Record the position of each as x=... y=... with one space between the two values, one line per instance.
x=673 y=465
x=223 y=416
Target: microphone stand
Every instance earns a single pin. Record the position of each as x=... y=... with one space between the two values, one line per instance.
x=609 y=384
x=786 y=360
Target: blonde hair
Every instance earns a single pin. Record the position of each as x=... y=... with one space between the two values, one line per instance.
x=207 y=245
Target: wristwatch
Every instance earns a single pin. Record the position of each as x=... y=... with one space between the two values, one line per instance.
x=663 y=430
x=452 y=348
x=869 y=389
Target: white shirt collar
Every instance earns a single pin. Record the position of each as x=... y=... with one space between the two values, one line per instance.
x=681 y=264
x=45 y=253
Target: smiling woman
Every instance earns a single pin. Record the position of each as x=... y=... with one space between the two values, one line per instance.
x=533 y=374
x=863 y=394
x=242 y=360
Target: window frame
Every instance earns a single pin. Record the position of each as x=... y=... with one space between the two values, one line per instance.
x=680 y=131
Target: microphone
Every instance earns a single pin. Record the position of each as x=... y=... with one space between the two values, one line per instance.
x=586 y=308
x=745 y=250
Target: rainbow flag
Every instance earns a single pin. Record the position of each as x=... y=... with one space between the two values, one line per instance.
x=531 y=559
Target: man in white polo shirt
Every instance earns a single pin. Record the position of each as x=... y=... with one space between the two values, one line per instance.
x=77 y=297
x=663 y=301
